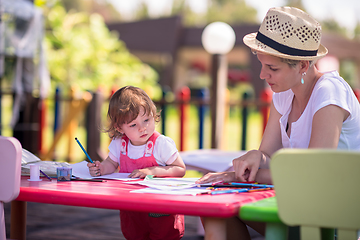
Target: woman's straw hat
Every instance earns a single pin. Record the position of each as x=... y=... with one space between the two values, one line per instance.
x=289 y=33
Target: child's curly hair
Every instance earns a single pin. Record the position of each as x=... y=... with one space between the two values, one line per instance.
x=124 y=107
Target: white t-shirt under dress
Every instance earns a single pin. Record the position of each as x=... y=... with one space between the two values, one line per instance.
x=329 y=89
x=165 y=151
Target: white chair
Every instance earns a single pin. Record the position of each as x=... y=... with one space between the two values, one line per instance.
x=10 y=175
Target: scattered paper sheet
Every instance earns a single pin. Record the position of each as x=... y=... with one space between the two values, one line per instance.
x=188 y=191
x=48 y=167
x=81 y=170
x=168 y=184
x=213 y=160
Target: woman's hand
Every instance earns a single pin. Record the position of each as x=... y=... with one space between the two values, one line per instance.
x=217 y=177
x=247 y=166
x=95 y=168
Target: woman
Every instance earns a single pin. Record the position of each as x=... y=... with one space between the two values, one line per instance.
x=310 y=109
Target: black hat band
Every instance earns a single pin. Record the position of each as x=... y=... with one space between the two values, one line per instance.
x=284 y=49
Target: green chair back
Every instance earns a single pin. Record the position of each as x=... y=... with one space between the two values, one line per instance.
x=318 y=188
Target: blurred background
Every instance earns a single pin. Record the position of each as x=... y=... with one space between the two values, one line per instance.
x=62 y=60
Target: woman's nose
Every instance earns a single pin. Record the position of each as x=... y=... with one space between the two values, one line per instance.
x=263 y=75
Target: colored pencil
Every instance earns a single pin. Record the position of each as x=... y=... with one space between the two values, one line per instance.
x=87 y=155
x=251 y=185
x=229 y=191
x=87 y=180
x=215 y=192
x=45 y=175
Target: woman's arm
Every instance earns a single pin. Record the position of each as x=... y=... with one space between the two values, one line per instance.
x=246 y=167
x=326 y=127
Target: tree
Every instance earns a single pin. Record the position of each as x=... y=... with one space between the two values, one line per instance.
x=104 y=8
x=230 y=11
x=295 y=3
x=142 y=12
x=357 y=31
x=331 y=25
x=82 y=51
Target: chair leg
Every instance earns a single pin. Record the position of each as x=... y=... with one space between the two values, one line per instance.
x=276 y=231
x=18 y=220
x=346 y=234
x=310 y=233
x=2 y=222
x=327 y=233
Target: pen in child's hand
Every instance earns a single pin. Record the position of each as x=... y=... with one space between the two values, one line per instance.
x=251 y=185
x=87 y=155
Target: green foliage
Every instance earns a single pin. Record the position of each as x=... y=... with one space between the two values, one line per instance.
x=142 y=12
x=295 y=3
x=81 y=51
x=331 y=25
x=357 y=31
x=230 y=11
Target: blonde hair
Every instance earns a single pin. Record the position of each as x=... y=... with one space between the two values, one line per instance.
x=291 y=62
x=125 y=105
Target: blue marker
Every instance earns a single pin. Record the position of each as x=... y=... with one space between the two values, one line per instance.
x=230 y=191
x=252 y=185
x=87 y=155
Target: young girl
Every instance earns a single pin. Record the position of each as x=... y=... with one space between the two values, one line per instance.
x=139 y=150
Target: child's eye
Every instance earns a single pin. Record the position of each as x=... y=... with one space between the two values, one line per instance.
x=132 y=125
x=273 y=69
x=146 y=120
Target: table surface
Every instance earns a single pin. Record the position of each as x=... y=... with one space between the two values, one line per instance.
x=115 y=194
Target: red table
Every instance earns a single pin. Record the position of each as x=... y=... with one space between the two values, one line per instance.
x=115 y=194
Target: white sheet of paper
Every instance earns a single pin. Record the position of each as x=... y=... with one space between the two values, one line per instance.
x=210 y=159
x=168 y=184
x=187 y=191
x=82 y=171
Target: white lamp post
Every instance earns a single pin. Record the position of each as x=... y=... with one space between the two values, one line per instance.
x=218 y=39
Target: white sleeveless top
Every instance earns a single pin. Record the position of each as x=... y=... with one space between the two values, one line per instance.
x=329 y=89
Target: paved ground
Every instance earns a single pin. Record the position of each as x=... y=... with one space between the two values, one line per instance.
x=58 y=222
x=50 y=222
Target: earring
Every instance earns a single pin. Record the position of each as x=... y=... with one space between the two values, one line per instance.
x=302 y=77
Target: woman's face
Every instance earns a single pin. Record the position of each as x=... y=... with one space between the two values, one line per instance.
x=279 y=75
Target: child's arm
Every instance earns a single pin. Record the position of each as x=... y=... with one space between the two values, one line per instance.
x=105 y=167
x=175 y=169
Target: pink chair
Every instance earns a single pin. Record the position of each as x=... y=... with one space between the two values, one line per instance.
x=10 y=175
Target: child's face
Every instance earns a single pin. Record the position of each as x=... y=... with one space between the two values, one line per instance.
x=140 y=129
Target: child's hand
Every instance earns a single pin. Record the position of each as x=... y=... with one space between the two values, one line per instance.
x=140 y=173
x=95 y=169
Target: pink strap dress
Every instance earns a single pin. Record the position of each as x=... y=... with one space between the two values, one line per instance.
x=141 y=225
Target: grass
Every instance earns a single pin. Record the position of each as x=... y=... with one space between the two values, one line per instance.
x=232 y=129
